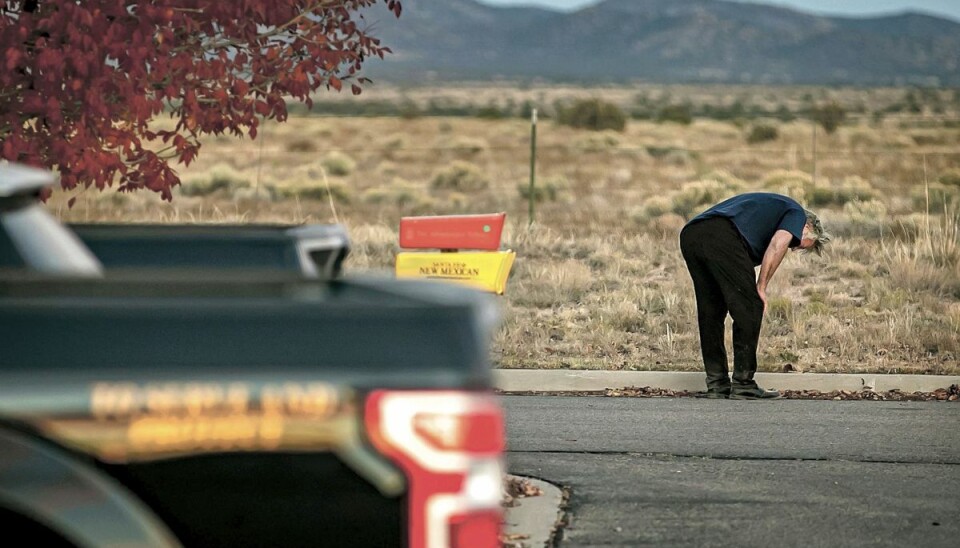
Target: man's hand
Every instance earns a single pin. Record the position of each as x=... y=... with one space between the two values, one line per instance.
x=771 y=260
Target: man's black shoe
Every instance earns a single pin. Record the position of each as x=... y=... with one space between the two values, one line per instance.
x=753 y=393
x=714 y=394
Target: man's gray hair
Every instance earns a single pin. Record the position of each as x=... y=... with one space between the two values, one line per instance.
x=820 y=236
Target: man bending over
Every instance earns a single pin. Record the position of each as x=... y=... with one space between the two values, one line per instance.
x=721 y=247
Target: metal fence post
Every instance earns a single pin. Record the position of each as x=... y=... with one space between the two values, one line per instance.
x=814 y=153
x=533 y=162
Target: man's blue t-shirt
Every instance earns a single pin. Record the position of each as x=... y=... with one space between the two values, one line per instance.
x=758 y=215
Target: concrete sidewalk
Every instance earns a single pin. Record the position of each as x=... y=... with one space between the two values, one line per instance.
x=570 y=380
x=531 y=521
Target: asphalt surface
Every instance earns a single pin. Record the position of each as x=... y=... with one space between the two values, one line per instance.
x=689 y=472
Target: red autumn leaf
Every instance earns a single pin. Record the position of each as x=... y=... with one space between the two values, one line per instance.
x=82 y=80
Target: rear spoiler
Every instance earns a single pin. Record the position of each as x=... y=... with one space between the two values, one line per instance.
x=42 y=242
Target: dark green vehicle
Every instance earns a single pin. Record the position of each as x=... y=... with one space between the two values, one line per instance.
x=315 y=251
x=236 y=407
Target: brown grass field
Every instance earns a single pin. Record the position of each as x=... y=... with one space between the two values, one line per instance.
x=599 y=282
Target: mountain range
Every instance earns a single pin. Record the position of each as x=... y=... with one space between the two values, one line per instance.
x=667 y=41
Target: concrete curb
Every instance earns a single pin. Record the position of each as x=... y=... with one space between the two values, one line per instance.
x=534 y=518
x=568 y=380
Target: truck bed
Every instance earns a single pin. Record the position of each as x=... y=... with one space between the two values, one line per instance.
x=86 y=366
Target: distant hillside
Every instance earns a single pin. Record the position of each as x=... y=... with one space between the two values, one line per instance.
x=665 y=41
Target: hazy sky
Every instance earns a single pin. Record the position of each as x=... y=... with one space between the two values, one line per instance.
x=949 y=8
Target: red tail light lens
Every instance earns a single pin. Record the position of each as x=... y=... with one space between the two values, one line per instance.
x=475 y=433
x=450 y=446
x=475 y=530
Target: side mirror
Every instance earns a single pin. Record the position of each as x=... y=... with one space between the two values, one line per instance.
x=43 y=244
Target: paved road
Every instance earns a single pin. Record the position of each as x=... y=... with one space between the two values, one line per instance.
x=688 y=472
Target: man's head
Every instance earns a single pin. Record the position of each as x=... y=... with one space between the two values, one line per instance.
x=814 y=236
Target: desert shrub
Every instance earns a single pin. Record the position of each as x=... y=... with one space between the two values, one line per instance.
x=626 y=317
x=668 y=224
x=394 y=142
x=657 y=206
x=800 y=187
x=336 y=190
x=262 y=193
x=593 y=114
x=338 y=164
x=863 y=138
x=784 y=114
x=941 y=197
x=692 y=197
x=548 y=284
x=780 y=308
x=599 y=142
x=950 y=177
x=460 y=176
x=400 y=193
x=671 y=155
x=789 y=183
x=929 y=139
x=678 y=157
x=678 y=114
x=387 y=169
x=491 y=111
x=817 y=196
x=866 y=218
x=446 y=106
x=726 y=178
x=659 y=152
x=852 y=188
x=456 y=201
x=549 y=190
x=907 y=227
x=762 y=133
x=409 y=110
x=829 y=116
x=302 y=145
x=219 y=177
x=783 y=177
x=470 y=146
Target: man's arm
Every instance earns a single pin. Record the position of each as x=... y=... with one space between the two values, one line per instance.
x=772 y=257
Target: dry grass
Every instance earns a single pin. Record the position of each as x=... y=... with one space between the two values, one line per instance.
x=599 y=282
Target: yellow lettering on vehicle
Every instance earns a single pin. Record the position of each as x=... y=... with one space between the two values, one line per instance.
x=117 y=400
x=214 y=433
x=112 y=399
x=130 y=420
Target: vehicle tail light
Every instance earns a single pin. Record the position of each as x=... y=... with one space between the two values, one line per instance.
x=450 y=446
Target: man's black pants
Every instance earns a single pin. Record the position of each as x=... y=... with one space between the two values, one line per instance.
x=724 y=281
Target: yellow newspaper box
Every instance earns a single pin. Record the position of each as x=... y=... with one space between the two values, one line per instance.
x=486 y=270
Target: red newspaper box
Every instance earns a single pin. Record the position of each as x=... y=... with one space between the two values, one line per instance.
x=452 y=232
